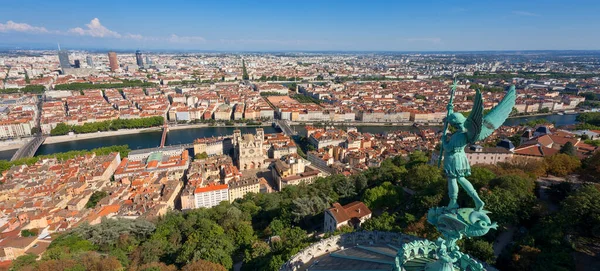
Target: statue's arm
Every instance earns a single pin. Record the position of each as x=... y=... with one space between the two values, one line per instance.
x=450 y=108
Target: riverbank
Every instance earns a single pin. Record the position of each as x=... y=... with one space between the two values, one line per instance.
x=360 y=123
x=542 y=114
x=75 y=137
x=207 y=125
x=13 y=144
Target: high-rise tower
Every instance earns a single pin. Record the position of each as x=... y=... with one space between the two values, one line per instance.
x=63 y=58
x=113 y=62
x=139 y=58
x=89 y=61
x=149 y=61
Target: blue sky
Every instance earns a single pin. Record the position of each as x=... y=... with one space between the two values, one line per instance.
x=344 y=25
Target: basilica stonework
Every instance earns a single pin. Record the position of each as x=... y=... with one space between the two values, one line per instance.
x=248 y=150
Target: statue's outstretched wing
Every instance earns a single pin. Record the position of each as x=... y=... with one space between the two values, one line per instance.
x=498 y=115
x=475 y=120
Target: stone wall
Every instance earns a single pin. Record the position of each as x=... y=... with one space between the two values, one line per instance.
x=338 y=242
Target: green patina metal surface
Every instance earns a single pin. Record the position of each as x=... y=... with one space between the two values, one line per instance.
x=453 y=222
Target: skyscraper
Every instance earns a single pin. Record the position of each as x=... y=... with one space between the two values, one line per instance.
x=63 y=58
x=138 y=58
x=113 y=63
x=77 y=64
x=89 y=61
x=148 y=60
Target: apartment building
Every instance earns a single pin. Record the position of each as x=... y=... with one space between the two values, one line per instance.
x=211 y=195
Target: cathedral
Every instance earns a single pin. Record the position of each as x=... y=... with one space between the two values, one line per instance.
x=248 y=150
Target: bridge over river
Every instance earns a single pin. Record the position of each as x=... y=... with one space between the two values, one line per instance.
x=29 y=149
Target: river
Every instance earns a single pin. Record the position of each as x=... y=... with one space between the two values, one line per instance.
x=185 y=136
x=147 y=139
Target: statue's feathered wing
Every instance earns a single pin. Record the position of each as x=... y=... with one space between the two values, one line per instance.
x=479 y=127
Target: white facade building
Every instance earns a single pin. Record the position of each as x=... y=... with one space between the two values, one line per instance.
x=211 y=195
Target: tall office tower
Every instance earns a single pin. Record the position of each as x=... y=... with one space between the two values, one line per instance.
x=113 y=63
x=148 y=60
x=63 y=58
x=89 y=61
x=138 y=58
x=77 y=64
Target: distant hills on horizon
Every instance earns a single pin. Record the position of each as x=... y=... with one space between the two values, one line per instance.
x=48 y=47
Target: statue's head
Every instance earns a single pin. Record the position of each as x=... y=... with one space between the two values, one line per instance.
x=457 y=120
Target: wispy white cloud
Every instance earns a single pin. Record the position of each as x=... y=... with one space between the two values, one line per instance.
x=429 y=40
x=95 y=29
x=185 y=39
x=272 y=41
x=11 y=26
x=133 y=36
x=525 y=13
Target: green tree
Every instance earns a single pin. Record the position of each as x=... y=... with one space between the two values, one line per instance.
x=481 y=177
x=257 y=250
x=27 y=260
x=207 y=241
x=590 y=168
x=510 y=199
x=306 y=207
x=386 y=195
x=202 y=155
x=29 y=232
x=416 y=158
x=480 y=249
x=422 y=177
x=582 y=211
x=60 y=129
x=244 y=71
x=95 y=198
x=544 y=110
x=360 y=182
x=383 y=222
x=562 y=164
x=568 y=148
x=202 y=265
x=73 y=243
x=343 y=186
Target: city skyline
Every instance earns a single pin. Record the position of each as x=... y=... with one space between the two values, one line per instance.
x=301 y=26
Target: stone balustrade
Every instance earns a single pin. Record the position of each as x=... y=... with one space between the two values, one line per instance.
x=338 y=242
x=408 y=249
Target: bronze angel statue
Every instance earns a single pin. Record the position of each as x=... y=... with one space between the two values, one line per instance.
x=469 y=130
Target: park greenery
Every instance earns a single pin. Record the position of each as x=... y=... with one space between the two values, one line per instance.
x=305 y=99
x=486 y=88
x=108 y=125
x=262 y=231
x=84 y=86
x=190 y=82
x=123 y=150
x=244 y=71
x=33 y=89
x=588 y=121
x=199 y=156
x=274 y=78
x=272 y=93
